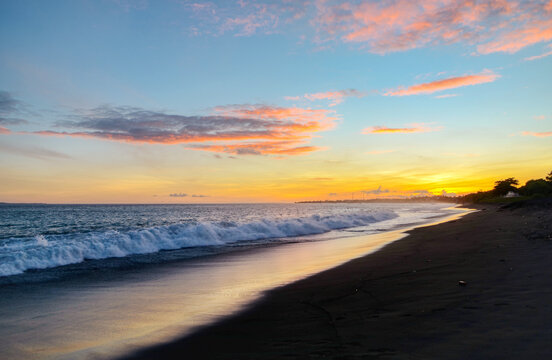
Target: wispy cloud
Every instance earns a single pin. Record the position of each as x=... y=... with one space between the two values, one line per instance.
x=414 y=128
x=537 y=134
x=336 y=97
x=524 y=30
x=445 y=96
x=308 y=119
x=385 y=26
x=33 y=152
x=388 y=26
x=536 y=57
x=4 y=130
x=539 y=117
x=249 y=24
x=243 y=18
x=235 y=129
x=444 y=84
x=8 y=103
x=10 y=107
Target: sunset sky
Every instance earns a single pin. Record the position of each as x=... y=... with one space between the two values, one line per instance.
x=119 y=101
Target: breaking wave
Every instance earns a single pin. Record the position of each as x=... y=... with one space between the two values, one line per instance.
x=20 y=254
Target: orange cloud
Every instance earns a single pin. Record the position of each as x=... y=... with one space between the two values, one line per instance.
x=336 y=97
x=416 y=128
x=444 y=84
x=537 y=134
x=274 y=130
x=388 y=26
x=4 y=130
x=325 y=118
x=517 y=39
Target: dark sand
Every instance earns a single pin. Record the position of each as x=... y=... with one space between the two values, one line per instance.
x=405 y=301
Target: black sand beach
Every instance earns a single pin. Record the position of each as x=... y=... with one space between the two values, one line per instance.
x=406 y=300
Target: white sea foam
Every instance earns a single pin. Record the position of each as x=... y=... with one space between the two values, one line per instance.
x=20 y=254
x=41 y=240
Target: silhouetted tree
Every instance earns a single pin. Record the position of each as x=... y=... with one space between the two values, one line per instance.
x=503 y=187
x=477 y=197
x=539 y=187
x=549 y=177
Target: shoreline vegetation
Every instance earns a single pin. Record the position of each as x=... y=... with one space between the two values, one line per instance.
x=504 y=191
x=471 y=288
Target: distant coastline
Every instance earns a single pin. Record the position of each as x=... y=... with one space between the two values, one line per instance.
x=421 y=199
x=21 y=203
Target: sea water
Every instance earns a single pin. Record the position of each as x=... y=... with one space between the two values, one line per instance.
x=48 y=236
x=81 y=281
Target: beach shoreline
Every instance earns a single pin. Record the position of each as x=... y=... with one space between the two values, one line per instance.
x=137 y=306
x=405 y=300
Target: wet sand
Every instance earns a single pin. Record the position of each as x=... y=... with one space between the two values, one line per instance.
x=405 y=301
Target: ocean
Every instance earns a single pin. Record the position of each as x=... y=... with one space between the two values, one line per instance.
x=99 y=280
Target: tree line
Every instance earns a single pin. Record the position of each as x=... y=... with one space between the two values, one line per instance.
x=509 y=188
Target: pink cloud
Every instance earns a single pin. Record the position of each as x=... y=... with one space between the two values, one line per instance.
x=336 y=97
x=537 y=134
x=444 y=84
x=388 y=26
x=298 y=118
x=515 y=40
x=414 y=128
x=4 y=131
x=539 y=117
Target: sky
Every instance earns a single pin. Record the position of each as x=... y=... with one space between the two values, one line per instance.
x=120 y=101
